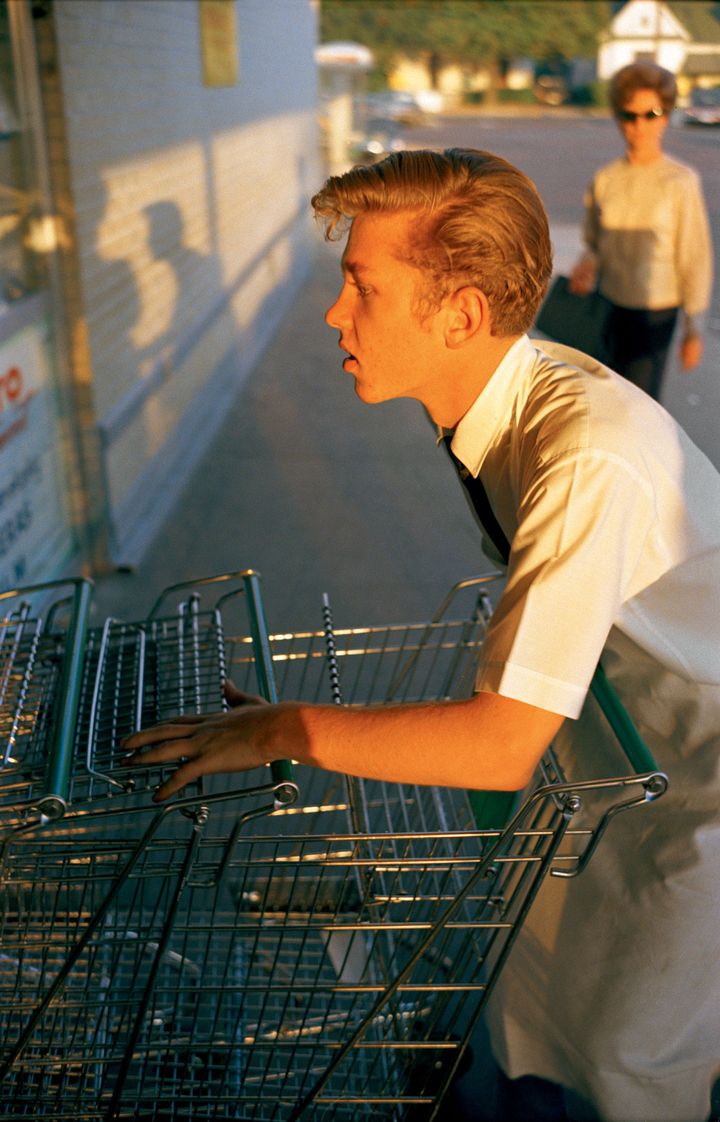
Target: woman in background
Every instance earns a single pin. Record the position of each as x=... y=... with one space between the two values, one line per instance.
x=647 y=236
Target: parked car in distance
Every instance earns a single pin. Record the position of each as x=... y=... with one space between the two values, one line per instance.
x=550 y=89
x=379 y=137
x=704 y=107
x=395 y=105
x=430 y=101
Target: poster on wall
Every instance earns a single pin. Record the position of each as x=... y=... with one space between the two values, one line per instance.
x=36 y=535
x=218 y=42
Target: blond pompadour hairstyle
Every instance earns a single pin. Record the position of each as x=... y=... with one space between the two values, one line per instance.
x=480 y=222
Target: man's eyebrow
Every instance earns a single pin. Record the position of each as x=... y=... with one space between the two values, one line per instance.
x=354 y=268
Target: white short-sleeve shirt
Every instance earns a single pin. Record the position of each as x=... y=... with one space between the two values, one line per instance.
x=613 y=516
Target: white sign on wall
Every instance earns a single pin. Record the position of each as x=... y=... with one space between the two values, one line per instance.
x=36 y=535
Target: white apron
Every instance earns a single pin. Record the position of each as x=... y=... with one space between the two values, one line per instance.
x=613 y=986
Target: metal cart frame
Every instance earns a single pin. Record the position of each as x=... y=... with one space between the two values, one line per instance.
x=231 y=956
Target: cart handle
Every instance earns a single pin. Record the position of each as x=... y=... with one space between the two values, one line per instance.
x=286 y=789
x=54 y=801
x=198 y=582
x=621 y=724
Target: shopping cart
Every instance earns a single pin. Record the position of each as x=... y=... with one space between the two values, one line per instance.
x=70 y=692
x=326 y=960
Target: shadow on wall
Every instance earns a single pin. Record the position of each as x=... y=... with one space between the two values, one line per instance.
x=172 y=340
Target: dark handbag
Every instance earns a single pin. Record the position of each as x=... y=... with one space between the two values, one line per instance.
x=576 y=321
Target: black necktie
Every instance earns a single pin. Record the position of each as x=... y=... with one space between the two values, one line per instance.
x=477 y=495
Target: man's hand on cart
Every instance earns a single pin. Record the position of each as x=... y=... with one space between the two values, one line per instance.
x=210 y=743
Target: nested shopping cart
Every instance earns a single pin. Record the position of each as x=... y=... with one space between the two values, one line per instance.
x=70 y=692
x=242 y=954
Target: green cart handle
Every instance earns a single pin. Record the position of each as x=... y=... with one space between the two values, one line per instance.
x=619 y=720
x=286 y=789
x=54 y=801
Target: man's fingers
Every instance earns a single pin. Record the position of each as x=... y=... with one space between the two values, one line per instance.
x=156 y=735
x=185 y=774
x=164 y=753
x=236 y=697
x=169 y=730
x=221 y=742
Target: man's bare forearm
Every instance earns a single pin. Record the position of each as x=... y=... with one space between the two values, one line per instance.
x=487 y=741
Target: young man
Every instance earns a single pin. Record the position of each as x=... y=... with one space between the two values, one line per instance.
x=613 y=521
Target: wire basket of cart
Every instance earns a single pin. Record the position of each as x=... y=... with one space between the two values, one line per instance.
x=326 y=961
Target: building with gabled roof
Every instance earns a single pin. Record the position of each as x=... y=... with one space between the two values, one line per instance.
x=682 y=36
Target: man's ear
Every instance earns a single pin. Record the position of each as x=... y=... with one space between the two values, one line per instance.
x=467 y=313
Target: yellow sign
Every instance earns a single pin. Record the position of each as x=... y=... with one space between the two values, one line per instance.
x=218 y=42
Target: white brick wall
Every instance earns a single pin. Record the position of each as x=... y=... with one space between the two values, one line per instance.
x=192 y=220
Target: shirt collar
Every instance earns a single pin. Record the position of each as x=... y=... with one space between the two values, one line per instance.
x=489 y=413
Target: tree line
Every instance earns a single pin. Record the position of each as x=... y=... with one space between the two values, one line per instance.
x=468 y=33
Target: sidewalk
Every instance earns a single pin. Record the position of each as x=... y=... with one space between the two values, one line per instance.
x=322 y=493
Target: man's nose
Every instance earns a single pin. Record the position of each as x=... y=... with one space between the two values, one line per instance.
x=333 y=316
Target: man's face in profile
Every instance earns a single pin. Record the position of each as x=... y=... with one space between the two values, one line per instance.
x=390 y=347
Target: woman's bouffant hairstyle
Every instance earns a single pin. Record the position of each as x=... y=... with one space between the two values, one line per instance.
x=480 y=222
x=642 y=76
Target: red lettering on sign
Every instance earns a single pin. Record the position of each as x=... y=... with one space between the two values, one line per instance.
x=11 y=385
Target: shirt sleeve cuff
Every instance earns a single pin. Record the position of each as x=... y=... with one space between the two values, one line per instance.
x=532 y=687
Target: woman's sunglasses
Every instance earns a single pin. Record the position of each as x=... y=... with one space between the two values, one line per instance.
x=630 y=117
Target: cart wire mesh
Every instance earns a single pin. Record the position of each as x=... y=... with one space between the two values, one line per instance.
x=70 y=693
x=328 y=960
